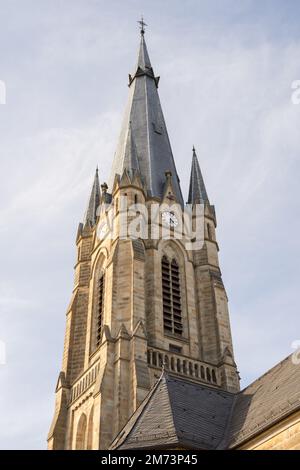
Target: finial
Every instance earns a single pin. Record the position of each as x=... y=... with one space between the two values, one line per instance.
x=97 y=170
x=104 y=188
x=142 y=25
x=194 y=150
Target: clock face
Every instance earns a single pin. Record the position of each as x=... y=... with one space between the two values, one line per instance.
x=169 y=218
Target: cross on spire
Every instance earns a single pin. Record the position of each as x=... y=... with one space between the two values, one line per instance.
x=142 y=25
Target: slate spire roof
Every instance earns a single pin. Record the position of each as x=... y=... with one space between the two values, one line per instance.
x=144 y=116
x=94 y=201
x=143 y=56
x=130 y=155
x=197 y=190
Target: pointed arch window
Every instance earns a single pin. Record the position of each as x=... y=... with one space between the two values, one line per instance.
x=172 y=309
x=100 y=309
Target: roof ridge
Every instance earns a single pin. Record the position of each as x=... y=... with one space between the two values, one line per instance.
x=139 y=411
x=265 y=373
x=166 y=377
x=223 y=443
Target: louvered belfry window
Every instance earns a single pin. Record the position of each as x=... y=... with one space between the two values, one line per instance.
x=172 y=311
x=100 y=309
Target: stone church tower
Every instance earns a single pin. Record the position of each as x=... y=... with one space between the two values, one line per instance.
x=139 y=303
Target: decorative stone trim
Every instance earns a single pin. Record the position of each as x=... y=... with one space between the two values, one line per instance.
x=183 y=366
x=84 y=382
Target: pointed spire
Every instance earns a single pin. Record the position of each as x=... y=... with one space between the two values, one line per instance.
x=143 y=57
x=197 y=191
x=94 y=201
x=144 y=121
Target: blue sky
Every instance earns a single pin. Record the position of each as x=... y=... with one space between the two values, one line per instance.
x=226 y=71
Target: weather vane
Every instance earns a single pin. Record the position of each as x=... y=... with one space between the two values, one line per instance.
x=142 y=25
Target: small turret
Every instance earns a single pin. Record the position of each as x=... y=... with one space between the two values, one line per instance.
x=94 y=201
x=197 y=191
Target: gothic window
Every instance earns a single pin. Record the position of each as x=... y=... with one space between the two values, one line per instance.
x=100 y=309
x=172 y=311
x=135 y=199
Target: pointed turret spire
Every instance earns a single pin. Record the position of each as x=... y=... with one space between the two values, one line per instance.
x=144 y=118
x=94 y=201
x=197 y=191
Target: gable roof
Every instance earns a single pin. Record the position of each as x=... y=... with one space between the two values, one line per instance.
x=270 y=398
x=178 y=412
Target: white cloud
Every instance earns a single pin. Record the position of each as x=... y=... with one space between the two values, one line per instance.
x=62 y=166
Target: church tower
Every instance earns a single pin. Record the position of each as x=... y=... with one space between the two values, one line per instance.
x=140 y=302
